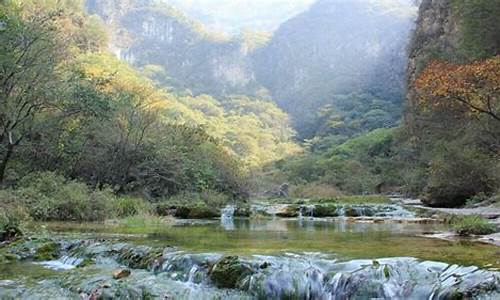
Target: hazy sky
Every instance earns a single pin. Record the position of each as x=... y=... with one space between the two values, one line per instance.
x=233 y=15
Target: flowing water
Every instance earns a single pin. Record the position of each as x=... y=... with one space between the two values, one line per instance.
x=299 y=258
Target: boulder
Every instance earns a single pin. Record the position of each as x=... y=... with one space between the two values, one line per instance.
x=229 y=271
x=325 y=210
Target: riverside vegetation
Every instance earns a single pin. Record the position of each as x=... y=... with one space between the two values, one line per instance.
x=145 y=156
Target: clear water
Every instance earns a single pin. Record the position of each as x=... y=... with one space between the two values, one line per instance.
x=305 y=258
x=342 y=239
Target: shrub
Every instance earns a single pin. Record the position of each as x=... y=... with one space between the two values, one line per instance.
x=128 y=206
x=481 y=197
x=11 y=216
x=314 y=190
x=457 y=173
x=50 y=197
x=472 y=225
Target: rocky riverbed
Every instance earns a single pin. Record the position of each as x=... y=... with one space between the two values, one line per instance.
x=113 y=269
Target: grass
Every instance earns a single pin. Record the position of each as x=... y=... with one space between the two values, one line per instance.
x=472 y=225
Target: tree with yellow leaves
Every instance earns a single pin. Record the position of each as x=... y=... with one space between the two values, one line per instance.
x=473 y=87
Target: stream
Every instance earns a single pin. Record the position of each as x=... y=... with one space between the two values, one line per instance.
x=252 y=258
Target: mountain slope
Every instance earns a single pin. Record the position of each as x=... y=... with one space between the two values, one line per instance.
x=336 y=47
x=149 y=33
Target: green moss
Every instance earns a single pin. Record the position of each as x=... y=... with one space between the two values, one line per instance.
x=6 y=257
x=85 y=263
x=48 y=251
x=325 y=210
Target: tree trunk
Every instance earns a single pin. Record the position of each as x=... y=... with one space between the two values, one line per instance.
x=5 y=161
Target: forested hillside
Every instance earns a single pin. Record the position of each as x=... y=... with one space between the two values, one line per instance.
x=133 y=97
x=71 y=107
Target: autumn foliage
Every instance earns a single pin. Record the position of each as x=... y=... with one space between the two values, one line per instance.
x=474 y=87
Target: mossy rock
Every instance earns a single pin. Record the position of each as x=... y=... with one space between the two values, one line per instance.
x=85 y=263
x=6 y=257
x=47 y=251
x=165 y=209
x=242 y=212
x=290 y=211
x=139 y=259
x=196 y=212
x=229 y=271
x=351 y=212
x=325 y=210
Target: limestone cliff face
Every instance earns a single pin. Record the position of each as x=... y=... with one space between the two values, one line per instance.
x=337 y=47
x=436 y=35
x=146 y=33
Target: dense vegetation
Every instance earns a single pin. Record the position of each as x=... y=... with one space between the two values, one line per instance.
x=85 y=136
x=446 y=150
x=69 y=107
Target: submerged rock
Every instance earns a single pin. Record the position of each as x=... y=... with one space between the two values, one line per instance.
x=229 y=271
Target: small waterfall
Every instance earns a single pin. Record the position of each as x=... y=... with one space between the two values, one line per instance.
x=226 y=217
x=306 y=211
x=63 y=263
x=227 y=213
x=340 y=211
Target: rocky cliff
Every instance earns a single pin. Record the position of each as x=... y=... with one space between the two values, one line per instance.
x=337 y=47
x=145 y=32
x=436 y=35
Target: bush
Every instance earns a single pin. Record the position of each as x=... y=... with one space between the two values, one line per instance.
x=476 y=199
x=472 y=225
x=50 y=197
x=314 y=190
x=128 y=206
x=11 y=216
x=457 y=173
x=208 y=198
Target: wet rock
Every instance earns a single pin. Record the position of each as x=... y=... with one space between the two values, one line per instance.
x=287 y=211
x=229 y=271
x=351 y=212
x=47 y=251
x=325 y=210
x=121 y=273
x=242 y=212
x=139 y=257
x=85 y=263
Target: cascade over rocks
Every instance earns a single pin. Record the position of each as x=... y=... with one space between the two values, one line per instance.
x=304 y=276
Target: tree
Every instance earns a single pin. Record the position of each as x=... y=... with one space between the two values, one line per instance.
x=474 y=88
x=30 y=51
